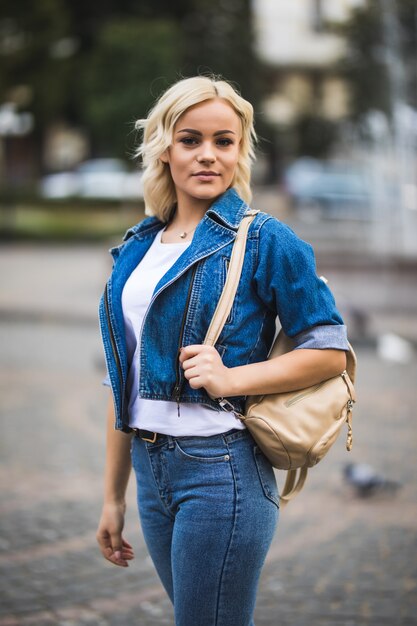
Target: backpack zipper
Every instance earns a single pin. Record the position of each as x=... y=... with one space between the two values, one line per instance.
x=349 y=406
x=304 y=394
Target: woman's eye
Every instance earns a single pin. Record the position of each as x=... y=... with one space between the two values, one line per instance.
x=189 y=141
x=192 y=141
x=225 y=142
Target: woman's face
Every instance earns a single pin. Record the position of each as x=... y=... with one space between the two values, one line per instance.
x=204 y=151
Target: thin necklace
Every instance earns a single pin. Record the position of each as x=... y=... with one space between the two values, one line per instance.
x=185 y=233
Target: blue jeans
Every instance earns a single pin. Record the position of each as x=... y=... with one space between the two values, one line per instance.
x=208 y=508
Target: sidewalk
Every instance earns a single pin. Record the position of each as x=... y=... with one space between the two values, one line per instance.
x=336 y=560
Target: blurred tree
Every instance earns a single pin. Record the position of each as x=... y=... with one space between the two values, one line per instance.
x=366 y=62
x=100 y=65
x=35 y=61
x=129 y=62
x=219 y=39
x=315 y=135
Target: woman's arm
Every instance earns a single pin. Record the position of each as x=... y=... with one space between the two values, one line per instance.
x=297 y=369
x=118 y=465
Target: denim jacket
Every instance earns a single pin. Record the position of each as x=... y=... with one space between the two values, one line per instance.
x=278 y=279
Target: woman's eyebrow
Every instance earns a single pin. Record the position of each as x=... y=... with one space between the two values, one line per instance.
x=197 y=132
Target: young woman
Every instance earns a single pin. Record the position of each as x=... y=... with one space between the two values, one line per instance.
x=207 y=497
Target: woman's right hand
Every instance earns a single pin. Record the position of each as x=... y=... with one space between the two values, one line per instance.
x=113 y=546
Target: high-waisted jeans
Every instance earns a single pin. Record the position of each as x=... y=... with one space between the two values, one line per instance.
x=208 y=508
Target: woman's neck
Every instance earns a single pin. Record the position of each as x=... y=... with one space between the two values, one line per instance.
x=188 y=214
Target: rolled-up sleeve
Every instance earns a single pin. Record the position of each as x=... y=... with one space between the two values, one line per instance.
x=286 y=281
x=323 y=337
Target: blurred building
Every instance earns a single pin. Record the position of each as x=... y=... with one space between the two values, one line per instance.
x=294 y=41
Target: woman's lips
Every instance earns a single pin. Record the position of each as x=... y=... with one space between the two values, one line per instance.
x=205 y=175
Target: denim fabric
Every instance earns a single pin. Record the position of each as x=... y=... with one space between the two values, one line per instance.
x=278 y=278
x=316 y=338
x=320 y=337
x=209 y=508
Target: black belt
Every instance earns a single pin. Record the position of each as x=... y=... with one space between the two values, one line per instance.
x=146 y=435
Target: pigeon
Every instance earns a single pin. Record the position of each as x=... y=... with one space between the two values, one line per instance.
x=365 y=480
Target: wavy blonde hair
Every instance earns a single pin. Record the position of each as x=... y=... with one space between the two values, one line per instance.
x=158 y=186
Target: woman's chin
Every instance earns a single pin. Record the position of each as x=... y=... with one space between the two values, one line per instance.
x=207 y=193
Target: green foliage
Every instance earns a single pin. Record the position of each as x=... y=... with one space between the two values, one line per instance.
x=125 y=53
x=69 y=220
x=28 y=32
x=219 y=39
x=130 y=60
x=370 y=43
x=315 y=135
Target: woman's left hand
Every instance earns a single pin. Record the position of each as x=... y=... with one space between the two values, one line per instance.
x=203 y=367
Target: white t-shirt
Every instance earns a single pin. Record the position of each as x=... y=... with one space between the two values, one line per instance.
x=159 y=415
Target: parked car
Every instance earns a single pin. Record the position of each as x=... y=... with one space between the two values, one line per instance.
x=96 y=178
x=328 y=189
x=59 y=186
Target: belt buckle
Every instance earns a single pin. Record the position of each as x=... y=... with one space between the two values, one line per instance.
x=155 y=435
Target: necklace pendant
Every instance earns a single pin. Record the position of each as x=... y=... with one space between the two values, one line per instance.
x=183 y=235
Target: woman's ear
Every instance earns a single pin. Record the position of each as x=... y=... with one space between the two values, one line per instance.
x=164 y=157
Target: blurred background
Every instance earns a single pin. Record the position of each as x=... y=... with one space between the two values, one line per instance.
x=334 y=87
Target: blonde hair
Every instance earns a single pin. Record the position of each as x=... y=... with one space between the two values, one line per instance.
x=158 y=187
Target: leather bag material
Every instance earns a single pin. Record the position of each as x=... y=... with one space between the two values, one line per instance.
x=296 y=429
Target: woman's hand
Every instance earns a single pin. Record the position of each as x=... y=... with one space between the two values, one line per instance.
x=294 y=370
x=203 y=367
x=109 y=536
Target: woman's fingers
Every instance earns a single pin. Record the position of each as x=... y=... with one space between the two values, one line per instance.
x=119 y=553
x=203 y=367
x=199 y=357
x=109 y=553
x=188 y=353
x=126 y=544
x=115 y=548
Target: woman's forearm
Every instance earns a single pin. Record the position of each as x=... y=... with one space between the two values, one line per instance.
x=118 y=463
x=295 y=370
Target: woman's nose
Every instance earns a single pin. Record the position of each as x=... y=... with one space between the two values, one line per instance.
x=206 y=153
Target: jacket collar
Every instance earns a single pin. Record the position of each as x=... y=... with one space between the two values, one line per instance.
x=228 y=208
x=148 y=224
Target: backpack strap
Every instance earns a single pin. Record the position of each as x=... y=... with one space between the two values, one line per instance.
x=291 y=487
x=232 y=281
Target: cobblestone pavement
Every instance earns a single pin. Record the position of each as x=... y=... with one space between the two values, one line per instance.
x=336 y=560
